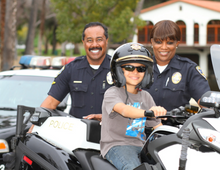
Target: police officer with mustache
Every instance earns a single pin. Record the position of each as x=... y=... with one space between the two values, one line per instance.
x=86 y=78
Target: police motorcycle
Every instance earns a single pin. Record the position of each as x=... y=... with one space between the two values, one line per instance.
x=53 y=143
x=60 y=141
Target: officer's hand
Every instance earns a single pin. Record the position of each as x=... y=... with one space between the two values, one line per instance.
x=94 y=116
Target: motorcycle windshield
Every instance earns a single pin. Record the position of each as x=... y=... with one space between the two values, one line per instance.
x=215 y=56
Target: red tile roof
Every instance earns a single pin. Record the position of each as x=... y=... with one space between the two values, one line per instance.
x=212 y=5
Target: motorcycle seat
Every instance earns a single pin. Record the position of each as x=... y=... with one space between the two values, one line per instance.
x=98 y=163
x=84 y=157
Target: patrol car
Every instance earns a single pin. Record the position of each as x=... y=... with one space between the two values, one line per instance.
x=26 y=86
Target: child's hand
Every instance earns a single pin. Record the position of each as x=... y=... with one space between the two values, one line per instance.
x=158 y=111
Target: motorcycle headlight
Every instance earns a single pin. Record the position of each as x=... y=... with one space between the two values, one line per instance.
x=211 y=136
x=4 y=146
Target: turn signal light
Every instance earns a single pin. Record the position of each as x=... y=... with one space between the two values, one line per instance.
x=211 y=136
x=3 y=146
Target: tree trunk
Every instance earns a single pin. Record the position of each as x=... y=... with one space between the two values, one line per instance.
x=41 y=27
x=2 y=30
x=76 y=49
x=31 y=29
x=63 y=48
x=136 y=13
x=9 y=51
x=46 y=46
x=54 y=43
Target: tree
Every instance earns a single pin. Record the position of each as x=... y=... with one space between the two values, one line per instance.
x=31 y=29
x=136 y=14
x=41 y=27
x=9 y=48
x=72 y=15
x=2 y=30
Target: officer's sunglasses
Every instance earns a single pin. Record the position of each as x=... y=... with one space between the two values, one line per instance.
x=140 y=69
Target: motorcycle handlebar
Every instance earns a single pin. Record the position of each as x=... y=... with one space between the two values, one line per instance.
x=177 y=112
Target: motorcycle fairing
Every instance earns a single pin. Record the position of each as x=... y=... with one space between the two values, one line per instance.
x=200 y=124
x=209 y=113
x=214 y=122
x=155 y=146
x=35 y=148
x=195 y=160
x=62 y=132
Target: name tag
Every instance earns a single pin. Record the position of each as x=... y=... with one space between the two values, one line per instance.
x=77 y=81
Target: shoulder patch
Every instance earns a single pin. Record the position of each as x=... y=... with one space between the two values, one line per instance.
x=200 y=71
x=61 y=70
x=109 y=78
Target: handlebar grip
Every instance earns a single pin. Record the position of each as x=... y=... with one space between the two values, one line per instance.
x=149 y=113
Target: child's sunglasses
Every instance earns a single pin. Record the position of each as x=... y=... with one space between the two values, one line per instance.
x=132 y=68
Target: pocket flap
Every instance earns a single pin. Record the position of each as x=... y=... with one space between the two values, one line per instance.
x=80 y=87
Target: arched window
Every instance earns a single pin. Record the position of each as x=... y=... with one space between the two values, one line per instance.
x=144 y=33
x=213 y=32
x=182 y=27
x=196 y=33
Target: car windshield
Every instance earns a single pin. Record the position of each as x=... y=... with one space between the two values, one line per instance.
x=23 y=90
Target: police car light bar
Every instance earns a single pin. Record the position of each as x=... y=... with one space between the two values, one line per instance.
x=59 y=62
x=30 y=61
x=40 y=62
x=70 y=59
x=25 y=61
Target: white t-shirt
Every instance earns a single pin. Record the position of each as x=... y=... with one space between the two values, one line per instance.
x=161 y=68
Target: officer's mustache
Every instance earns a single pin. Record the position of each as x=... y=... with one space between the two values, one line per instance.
x=95 y=48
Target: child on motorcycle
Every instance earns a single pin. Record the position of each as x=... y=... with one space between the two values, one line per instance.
x=124 y=107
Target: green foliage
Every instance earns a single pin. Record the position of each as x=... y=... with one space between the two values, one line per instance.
x=22 y=34
x=72 y=15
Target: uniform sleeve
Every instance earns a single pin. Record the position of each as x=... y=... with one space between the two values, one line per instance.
x=60 y=86
x=197 y=82
x=111 y=98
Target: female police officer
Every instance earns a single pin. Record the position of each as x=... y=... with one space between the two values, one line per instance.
x=176 y=79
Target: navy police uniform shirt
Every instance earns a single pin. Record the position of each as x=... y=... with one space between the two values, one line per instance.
x=86 y=88
x=181 y=80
